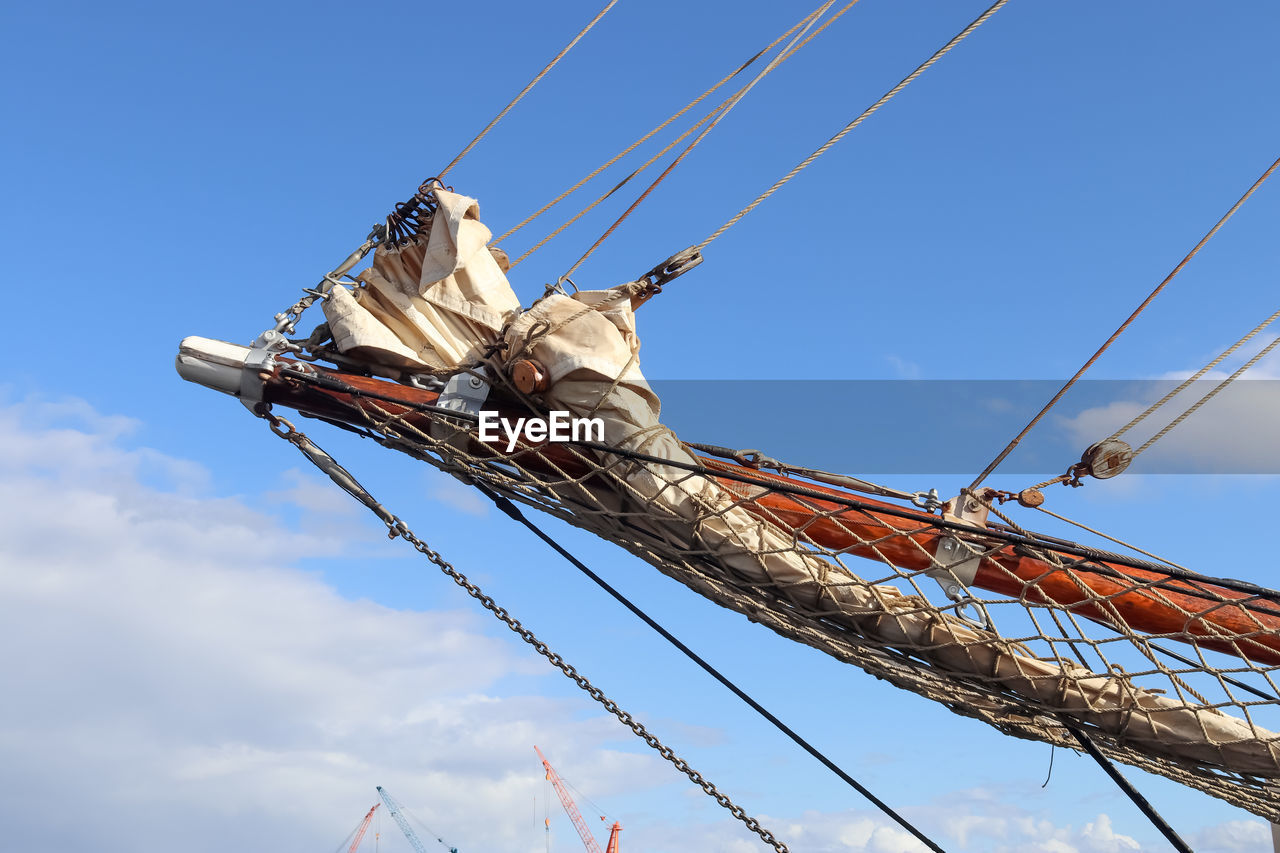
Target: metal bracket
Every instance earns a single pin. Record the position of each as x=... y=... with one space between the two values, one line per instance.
x=261 y=358
x=464 y=392
x=425 y=381
x=958 y=566
x=959 y=561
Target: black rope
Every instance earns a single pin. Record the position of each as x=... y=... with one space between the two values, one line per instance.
x=1200 y=664
x=1138 y=800
x=514 y=512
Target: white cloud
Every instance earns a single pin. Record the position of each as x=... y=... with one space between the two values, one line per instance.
x=903 y=368
x=1102 y=838
x=447 y=490
x=164 y=668
x=1235 y=432
x=1235 y=836
x=170 y=681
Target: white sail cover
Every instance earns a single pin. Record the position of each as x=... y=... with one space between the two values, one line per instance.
x=441 y=302
x=430 y=303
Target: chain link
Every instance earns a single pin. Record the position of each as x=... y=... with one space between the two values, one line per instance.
x=396 y=527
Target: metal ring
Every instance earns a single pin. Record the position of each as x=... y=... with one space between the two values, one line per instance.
x=276 y=422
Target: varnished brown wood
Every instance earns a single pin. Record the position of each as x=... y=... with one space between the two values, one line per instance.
x=1114 y=595
x=529 y=376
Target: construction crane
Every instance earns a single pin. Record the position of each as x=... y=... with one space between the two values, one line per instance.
x=575 y=815
x=364 y=824
x=393 y=806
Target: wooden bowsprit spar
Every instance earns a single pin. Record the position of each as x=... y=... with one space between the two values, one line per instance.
x=1112 y=590
x=1182 y=730
x=1030 y=661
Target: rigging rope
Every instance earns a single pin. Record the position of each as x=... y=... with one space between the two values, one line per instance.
x=396 y=527
x=1073 y=475
x=581 y=213
x=1197 y=375
x=514 y=512
x=724 y=111
x=961 y=36
x=633 y=146
x=1214 y=742
x=786 y=54
x=1116 y=334
x=526 y=89
x=1013 y=536
x=1112 y=538
x=1209 y=396
x=1138 y=800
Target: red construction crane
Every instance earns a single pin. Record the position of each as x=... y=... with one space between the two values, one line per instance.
x=364 y=824
x=574 y=815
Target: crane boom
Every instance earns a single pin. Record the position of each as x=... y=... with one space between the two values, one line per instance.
x=364 y=824
x=393 y=806
x=569 y=807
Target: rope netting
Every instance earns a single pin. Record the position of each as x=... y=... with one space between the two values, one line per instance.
x=1167 y=671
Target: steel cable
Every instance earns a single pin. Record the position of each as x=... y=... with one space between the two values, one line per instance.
x=724 y=111
x=1116 y=334
x=961 y=36
x=526 y=89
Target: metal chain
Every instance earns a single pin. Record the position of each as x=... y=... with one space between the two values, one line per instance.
x=396 y=527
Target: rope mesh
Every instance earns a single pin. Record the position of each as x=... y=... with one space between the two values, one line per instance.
x=1193 y=698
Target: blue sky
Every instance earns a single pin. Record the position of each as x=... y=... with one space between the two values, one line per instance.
x=205 y=637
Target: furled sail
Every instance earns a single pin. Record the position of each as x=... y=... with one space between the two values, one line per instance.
x=431 y=303
x=437 y=303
